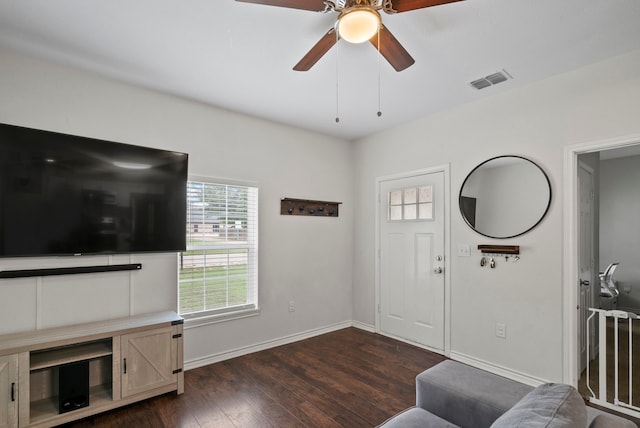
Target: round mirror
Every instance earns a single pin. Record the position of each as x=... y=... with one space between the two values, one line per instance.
x=505 y=197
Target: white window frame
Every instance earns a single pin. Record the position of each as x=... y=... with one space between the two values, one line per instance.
x=230 y=312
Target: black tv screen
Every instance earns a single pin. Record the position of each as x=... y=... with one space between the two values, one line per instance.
x=68 y=195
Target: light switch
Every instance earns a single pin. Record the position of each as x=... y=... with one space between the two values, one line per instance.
x=464 y=250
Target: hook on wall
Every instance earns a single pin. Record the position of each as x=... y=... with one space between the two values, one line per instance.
x=307 y=207
x=494 y=251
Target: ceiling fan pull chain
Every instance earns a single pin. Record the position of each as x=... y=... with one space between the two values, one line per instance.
x=387 y=6
x=379 y=96
x=337 y=80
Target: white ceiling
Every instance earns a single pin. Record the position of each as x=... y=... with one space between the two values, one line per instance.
x=239 y=56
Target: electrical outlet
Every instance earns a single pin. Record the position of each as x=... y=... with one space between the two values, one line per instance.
x=501 y=330
x=464 y=250
x=292 y=306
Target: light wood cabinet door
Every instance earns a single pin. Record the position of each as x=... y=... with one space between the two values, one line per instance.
x=148 y=360
x=9 y=391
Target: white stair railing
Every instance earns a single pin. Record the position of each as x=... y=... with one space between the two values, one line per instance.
x=601 y=398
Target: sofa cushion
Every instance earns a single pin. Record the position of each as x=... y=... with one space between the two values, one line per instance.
x=552 y=405
x=467 y=396
x=605 y=420
x=416 y=417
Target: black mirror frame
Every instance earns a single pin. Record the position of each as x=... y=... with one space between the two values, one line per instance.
x=544 y=174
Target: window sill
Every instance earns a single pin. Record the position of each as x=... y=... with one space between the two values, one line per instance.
x=197 y=321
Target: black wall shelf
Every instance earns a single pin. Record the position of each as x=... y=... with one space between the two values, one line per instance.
x=25 y=273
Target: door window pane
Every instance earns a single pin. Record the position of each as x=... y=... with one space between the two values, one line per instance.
x=410 y=212
x=410 y=195
x=411 y=203
x=395 y=213
x=425 y=211
x=425 y=194
x=395 y=197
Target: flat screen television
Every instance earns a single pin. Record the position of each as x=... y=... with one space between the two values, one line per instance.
x=68 y=195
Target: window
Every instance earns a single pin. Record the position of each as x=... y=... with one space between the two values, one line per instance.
x=412 y=203
x=219 y=270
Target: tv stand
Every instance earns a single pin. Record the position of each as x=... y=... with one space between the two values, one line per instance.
x=128 y=360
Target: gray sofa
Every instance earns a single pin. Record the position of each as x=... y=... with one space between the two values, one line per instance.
x=455 y=395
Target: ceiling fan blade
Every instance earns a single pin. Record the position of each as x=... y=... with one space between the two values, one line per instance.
x=392 y=50
x=314 y=5
x=317 y=51
x=406 y=5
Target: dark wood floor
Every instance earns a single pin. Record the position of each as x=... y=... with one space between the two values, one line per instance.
x=348 y=378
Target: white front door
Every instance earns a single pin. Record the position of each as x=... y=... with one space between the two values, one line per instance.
x=411 y=258
x=586 y=274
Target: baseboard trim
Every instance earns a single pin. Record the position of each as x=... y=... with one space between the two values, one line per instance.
x=496 y=369
x=285 y=340
x=412 y=343
x=362 y=326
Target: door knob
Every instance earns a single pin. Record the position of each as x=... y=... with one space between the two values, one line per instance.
x=437 y=270
x=584 y=282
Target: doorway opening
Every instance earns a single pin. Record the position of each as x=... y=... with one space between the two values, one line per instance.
x=590 y=249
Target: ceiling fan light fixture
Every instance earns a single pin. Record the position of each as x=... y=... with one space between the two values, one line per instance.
x=358 y=25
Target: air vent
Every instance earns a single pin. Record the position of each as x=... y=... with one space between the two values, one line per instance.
x=480 y=83
x=496 y=78
x=492 y=79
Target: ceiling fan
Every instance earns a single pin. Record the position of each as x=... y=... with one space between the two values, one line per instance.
x=358 y=21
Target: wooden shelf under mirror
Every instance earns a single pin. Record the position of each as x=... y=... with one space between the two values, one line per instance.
x=499 y=249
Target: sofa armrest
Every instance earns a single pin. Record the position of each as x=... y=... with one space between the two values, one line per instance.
x=466 y=396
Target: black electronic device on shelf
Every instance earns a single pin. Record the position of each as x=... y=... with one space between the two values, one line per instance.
x=73 y=386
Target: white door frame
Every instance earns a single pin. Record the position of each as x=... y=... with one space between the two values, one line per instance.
x=570 y=236
x=447 y=246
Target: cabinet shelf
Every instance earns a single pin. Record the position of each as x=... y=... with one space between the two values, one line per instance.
x=42 y=410
x=69 y=354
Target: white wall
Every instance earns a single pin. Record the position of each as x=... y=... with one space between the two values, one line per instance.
x=620 y=225
x=305 y=259
x=537 y=121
